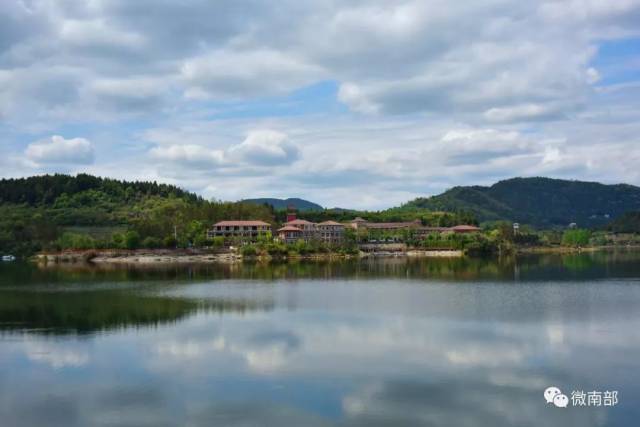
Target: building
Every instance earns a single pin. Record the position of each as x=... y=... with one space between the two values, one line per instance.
x=460 y=229
x=392 y=226
x=424 y=231
x=289 y=234
x=243 y=231
x=330 y=232
x=309 y=229
x=358 y=222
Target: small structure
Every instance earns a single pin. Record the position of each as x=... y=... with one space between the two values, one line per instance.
x=516 y=228
x=331 y=232
x=289 y=234
x=573 y=225
x=244 y=231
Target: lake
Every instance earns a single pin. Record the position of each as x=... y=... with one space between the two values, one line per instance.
x=384 y=342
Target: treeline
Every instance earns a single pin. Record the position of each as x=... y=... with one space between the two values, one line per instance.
x=46 y=189
x=627 y=223
x=53 y=212
x=398 y=214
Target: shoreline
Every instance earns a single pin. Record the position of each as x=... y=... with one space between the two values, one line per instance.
x=185 y=256
x=188 y=257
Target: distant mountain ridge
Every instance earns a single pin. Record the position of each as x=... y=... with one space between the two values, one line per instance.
x=543 y=202
x=299 y=204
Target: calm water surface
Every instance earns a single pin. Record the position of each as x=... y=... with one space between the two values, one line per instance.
x=362 y=343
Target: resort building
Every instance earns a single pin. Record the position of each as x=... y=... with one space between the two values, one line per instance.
x=386 y=226
x=244 y=231
x=331 y=232
x=308 y=229
x=289 y=234
x=460 y=229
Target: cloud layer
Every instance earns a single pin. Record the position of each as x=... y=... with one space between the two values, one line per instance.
x=371 y=92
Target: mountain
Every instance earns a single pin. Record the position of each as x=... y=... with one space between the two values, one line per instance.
x=299 y=204
x=542 y=202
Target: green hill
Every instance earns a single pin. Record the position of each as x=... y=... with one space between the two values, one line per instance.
x=278 y=204
x=54 y=211
x=543 y=202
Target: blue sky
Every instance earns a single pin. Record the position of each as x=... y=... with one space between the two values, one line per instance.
x=364 y=105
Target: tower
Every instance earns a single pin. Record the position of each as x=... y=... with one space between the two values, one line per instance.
x=291 y=213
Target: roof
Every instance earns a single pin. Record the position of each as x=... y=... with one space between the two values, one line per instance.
x=358 y=219
x=330 y=223
x=241 y=223
x=465 y=228
x=289 y=228
x=299 y=222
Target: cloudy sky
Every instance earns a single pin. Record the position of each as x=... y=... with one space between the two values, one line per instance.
x=360 y=104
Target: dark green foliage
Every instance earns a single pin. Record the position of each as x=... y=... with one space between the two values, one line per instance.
x=542 y=202
x=627 y=223
x=35 y=213
x=152 y=243
x=279 y=204
x=398 y=214
x=132 y=240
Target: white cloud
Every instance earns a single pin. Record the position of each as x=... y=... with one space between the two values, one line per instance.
x=265 y=147
x=189 y=155
x=244 y=74
x=523 y=113
x=394 y=57
x=92 y=33
x=60 y=151
x=261 y=148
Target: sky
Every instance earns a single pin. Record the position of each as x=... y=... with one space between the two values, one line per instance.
x=359 y=104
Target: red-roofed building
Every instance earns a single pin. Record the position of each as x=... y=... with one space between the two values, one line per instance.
x=307 y=228
x=289 y=234
x=465 y=229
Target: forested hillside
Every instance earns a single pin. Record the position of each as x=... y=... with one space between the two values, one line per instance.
x=542 y=202
x=53 y=212
x=85 y=211
x=299 y=204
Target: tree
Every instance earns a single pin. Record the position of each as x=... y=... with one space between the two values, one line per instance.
x=576 y=237
x=132 y=240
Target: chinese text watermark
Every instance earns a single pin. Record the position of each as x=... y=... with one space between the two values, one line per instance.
x=581 y=398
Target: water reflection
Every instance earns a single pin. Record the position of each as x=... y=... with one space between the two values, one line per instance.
x=438 y=346
x=586 y=265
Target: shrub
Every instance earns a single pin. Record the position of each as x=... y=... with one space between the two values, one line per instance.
x=248 y=251
x=151 y=243
x=170 y=242
x=132 y=240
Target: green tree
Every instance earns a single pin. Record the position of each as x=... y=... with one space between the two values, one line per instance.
x=576 y=237
x=132 y=239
